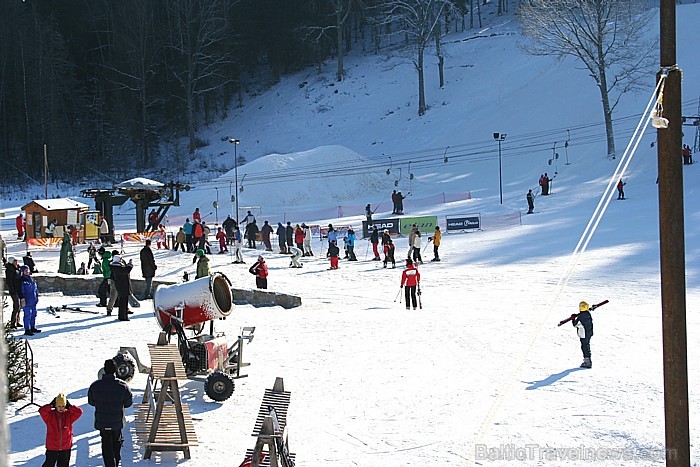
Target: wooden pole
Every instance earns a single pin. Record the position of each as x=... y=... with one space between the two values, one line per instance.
x=672 y=248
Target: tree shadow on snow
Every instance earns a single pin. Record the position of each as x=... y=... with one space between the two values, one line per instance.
x=551 y=379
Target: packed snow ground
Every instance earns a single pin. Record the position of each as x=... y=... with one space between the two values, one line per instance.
x=483 y=364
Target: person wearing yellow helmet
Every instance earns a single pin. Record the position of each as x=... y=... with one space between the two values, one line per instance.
x=583 y=322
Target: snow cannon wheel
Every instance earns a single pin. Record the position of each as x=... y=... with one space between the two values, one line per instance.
x=218 y=386
x=126 y=367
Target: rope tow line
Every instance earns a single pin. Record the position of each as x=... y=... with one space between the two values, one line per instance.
x=651 y=111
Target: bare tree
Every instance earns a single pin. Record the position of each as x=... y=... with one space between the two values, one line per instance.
x=198 y=29
x=419 y=18
x=606 y=35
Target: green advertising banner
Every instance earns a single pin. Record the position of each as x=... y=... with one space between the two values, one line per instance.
x=426 y=224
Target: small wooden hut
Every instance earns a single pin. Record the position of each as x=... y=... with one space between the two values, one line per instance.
x=40 y=212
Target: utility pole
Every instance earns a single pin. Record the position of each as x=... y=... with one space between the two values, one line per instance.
x=672 y=247
x=46 y=174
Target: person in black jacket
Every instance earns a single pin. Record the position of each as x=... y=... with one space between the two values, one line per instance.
x=12 y=282
x=374 y=240
x=583 y=322
x=289 y=235
x=110 y=396
x=251 y=230
x=120 y=275
x=281 y=235
x=148 y=268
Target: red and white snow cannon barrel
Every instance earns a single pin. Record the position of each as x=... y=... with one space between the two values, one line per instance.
x=195 y=302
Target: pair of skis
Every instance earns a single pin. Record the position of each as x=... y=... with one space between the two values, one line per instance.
x=54 y=310
x=573 y=316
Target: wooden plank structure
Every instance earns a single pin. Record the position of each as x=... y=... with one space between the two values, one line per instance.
x=270 y=430
x=163 y=422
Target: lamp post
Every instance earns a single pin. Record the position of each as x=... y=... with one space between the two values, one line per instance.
x=235 y=143
x=499 y=137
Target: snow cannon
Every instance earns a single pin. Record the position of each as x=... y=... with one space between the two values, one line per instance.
x=191 y=304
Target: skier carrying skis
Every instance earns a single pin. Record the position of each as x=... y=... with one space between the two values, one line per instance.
x=583 y=322
x=411 y=279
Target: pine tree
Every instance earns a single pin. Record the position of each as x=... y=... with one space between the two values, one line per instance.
x=16 y=369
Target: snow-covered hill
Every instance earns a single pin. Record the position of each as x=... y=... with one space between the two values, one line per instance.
x=482 y=372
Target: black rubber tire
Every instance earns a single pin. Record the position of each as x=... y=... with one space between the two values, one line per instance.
x=126 y=367
x=218 y=386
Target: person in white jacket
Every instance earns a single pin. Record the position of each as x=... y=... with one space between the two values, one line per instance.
x=416 y=248
x=307 y=240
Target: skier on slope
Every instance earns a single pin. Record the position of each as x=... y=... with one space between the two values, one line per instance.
x=411 y=279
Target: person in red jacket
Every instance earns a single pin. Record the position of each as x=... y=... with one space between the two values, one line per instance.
x=260 y=271
x=19 y=223
x=299 y=237
x=222 y=238
x=59 y=417
x=411 y=279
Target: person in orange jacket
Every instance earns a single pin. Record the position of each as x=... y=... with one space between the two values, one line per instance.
x=59 y=417
x=411 y=279
x=436 y=239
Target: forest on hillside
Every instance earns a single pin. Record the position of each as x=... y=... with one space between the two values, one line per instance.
x=110 y=85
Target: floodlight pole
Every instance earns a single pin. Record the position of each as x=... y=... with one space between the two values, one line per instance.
x=235 y=143
x=499 y=137
x=672 y=249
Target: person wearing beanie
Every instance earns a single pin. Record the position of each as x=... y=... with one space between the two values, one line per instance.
x=110 y=396
x=202 y=265
x=107 y=274
x=436 y=239
x=259 y=269
x=59 y=416
x=29 y=297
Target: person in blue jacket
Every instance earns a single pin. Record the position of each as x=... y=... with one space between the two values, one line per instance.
x=187 y=227
x=351 y=245
x=29 y=297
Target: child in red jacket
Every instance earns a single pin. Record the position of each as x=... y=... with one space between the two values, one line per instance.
x=59 y=417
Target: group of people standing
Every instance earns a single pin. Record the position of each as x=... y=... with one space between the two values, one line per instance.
x=24 y=293
x=545 y=184
x=397 y=200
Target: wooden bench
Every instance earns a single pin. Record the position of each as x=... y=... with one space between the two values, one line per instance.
x=163 y=422
x=270 y=430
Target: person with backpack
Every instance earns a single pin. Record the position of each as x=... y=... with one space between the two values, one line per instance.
x=259 y=270
x=251 y=230
x=411 y=279
x=59 y=416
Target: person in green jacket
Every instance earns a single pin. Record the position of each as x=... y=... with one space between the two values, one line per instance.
x=66 y=263
x=202 y=265
x=107 y=274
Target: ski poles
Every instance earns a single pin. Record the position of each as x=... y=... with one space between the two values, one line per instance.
x=398 y=296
